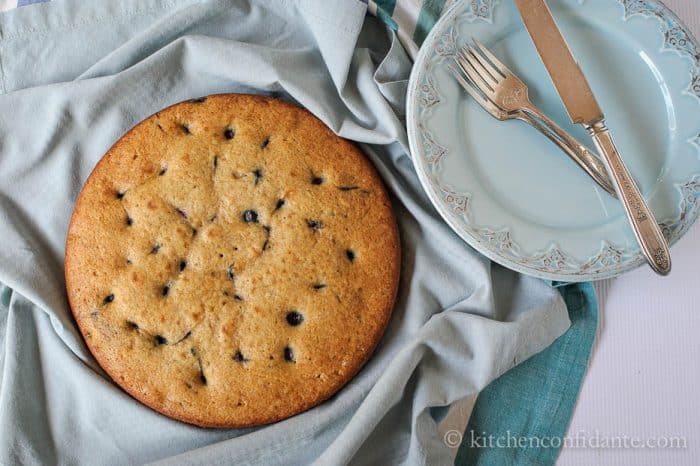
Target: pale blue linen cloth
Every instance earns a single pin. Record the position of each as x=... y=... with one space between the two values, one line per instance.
x=75 y=75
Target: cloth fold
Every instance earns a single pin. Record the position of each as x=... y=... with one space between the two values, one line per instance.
x=534 y=401
x=459 y=321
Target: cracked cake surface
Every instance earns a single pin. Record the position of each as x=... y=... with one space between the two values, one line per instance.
x=231 y=262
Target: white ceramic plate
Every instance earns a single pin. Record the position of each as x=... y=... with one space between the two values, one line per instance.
x=514 y=196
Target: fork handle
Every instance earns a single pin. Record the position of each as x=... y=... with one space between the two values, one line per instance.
x=644 y=225
x=591 y=164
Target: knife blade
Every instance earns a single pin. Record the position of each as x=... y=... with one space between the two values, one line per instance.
x=572 y=86
x=582 y=107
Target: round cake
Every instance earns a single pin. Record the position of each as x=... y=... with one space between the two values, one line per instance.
x=231 y=262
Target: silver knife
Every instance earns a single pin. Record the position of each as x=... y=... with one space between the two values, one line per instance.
x=582 y=107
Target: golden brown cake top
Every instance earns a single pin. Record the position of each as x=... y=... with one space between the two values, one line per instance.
x=231 y=261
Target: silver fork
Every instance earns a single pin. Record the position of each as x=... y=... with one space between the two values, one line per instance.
x=502 y=94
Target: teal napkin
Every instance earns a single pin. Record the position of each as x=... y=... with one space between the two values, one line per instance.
x=535 y=400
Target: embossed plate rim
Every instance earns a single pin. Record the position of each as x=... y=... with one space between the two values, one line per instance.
x=552 y=262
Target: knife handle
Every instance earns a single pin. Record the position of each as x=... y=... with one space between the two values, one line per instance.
x=644 y=225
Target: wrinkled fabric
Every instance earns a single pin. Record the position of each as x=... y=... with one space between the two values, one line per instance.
x=75 y=76
x=534 y=400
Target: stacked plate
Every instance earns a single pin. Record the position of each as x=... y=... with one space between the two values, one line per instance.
x=507 y=190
